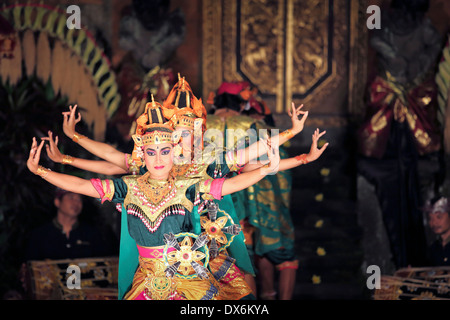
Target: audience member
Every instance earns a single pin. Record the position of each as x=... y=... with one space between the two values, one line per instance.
x=65 y=236
x=439 y=222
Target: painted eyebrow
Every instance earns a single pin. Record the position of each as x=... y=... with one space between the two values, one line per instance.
x=150 y=149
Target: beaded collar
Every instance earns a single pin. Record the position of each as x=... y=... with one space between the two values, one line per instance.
x=155 y=190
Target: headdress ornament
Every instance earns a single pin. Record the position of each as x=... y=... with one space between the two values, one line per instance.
x=152 y=127
x=182 y=107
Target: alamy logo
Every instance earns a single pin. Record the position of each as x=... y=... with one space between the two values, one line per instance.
x=74 y=20
x=374 y=21
x=74 y=280
x=373 y=281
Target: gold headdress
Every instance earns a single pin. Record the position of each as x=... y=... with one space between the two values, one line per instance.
x=152 y=127
x=182 y=107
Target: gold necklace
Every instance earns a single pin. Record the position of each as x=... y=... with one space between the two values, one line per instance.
x=155 y=190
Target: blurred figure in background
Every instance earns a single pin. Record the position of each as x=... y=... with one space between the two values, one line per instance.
x=65 y=236
x=400 y=133
x=439 y=222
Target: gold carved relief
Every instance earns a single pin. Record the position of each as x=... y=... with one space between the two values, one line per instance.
x=310 y=43
x=260 y=43
x=292 y=50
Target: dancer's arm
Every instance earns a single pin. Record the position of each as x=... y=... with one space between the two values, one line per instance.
x=63 y=181
x=289 y=163
x=100 y=149
x=97 y=166
x=257 y=149
x=247 y=179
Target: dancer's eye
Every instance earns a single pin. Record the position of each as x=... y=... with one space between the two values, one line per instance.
x=165 y=151
x=185 y=133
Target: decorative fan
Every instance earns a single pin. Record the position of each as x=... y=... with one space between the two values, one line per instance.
x=186 y=260
x=216 y=228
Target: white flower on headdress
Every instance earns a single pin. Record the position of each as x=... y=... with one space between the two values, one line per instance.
x=140 y=152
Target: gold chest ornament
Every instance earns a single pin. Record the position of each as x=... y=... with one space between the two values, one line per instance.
x=152 y=200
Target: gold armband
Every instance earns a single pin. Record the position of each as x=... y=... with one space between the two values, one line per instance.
x=67 y=159
x=302 y=158
x=42 y=172
x=288 y=134
x=76 y=137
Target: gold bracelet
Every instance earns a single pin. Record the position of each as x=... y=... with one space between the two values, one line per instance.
x=76 y=137
x=42 y=172
x=302 y=158
x=67 y=159
x=288 y=133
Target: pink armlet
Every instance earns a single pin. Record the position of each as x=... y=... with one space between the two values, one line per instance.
x=97 y=183
x=126 y=160
x=216 y=188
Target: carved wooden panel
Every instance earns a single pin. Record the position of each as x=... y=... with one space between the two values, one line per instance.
x=306 y=51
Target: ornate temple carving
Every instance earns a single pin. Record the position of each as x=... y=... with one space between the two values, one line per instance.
x=306 y=51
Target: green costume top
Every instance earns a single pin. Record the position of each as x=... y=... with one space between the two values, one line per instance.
x=157 y=207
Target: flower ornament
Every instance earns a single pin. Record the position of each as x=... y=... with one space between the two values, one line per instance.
x=215 y=229
x=186 y=258
x=140 y=152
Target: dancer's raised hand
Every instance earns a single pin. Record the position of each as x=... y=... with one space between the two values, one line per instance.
x=315 y=152
x=297 y=124
x=70 y=121
x=52 y=148
x=273 y=154
x=35 y=155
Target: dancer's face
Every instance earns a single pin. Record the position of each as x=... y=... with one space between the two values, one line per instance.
x=187 y=138
x=159 y=160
